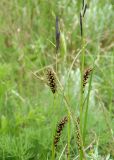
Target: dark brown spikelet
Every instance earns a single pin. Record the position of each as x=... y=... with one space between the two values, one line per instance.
x=51 y=80
x=86 y=75
x=57 y=34
x=60 y=127
x=78 y=137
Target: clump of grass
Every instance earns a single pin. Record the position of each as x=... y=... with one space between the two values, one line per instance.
x=51 y=80
x=59 y=130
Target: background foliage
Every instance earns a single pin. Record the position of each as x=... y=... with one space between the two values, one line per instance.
x=28 y=111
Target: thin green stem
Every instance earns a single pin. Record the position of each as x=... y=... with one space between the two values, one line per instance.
x=81 y=90
x=56 y=62
x=86 y=109
x=68 y=154
x=111 y=92
x=53 y=152
x=53 y=145
x=81 y=86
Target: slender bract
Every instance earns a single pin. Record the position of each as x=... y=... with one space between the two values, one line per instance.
x=83 y=3
x=81 y=25
x=84 y=11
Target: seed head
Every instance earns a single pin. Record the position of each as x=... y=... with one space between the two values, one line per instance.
x=86 y=75
x=51 y=80
x=60 y=127
x=78 y=137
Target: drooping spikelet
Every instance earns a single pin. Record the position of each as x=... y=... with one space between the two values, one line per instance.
x=78 y=136
x=86 y=75
x=51 y=80
x=60 y=127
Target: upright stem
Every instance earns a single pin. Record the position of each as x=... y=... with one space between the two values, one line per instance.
x=53 y=145
x=68 y=154
x=81 y=90
x=53 y=152
x=56 y=62
x=82 y=70
x=86 y=110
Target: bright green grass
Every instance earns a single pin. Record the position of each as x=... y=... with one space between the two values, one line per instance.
x=29 y=112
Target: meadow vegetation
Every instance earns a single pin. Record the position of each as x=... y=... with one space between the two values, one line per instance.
x=32 y=114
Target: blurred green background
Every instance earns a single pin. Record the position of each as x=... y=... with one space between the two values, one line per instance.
x=28 y=111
